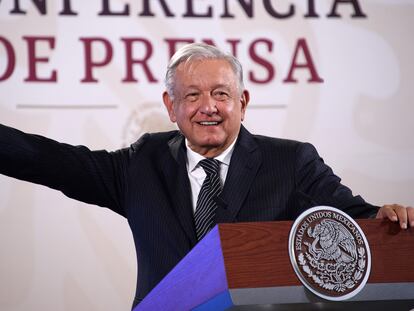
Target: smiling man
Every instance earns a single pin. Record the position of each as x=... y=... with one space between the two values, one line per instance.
x=173 y=187
x=208 y=103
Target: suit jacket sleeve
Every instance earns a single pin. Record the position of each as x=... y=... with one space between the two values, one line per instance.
x=94 y=177
x=317 y=184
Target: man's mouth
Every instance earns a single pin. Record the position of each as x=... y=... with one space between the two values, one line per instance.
x=208 y=123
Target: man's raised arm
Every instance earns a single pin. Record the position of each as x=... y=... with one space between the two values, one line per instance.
x=89 y=176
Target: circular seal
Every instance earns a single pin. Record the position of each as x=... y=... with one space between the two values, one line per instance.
x=329 y=253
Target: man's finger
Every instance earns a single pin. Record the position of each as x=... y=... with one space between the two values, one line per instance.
x=410 y=213
x=401 y=212
x=387 y=211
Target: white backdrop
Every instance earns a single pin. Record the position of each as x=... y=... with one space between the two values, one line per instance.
x=59 y=254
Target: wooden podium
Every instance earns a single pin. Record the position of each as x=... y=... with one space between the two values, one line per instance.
x=246 y=266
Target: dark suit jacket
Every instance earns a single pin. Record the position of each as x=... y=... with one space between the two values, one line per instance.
x=268 y=179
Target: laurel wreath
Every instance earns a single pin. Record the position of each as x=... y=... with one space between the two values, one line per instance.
x=338 y=287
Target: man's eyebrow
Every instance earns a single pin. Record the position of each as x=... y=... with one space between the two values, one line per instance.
x=214 y=87
x=227 y=86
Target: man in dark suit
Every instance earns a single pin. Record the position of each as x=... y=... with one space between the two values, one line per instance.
x=156 y=182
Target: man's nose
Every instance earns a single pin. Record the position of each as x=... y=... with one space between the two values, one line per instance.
x=207 y=104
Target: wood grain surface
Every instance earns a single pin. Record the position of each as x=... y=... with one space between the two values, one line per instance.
x=256 y=254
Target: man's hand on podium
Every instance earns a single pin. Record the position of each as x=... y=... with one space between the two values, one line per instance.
x=396 y=212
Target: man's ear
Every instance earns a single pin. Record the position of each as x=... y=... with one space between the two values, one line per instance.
x=244 y=100
x=169 y=104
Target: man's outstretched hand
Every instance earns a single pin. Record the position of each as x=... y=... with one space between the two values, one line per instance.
x=395 y=212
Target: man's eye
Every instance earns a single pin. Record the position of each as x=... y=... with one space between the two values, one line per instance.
x=191 y=96
x=220 y=95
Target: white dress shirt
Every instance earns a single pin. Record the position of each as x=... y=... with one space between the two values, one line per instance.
x=196 y=173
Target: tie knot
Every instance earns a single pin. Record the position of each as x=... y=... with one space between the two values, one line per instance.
x=210 y=166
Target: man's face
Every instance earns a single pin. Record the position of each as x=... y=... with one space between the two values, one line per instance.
x=207 y=105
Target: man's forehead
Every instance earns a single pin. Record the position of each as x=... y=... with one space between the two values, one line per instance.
x=216 y=71
x=212 y=64
x=212 y=86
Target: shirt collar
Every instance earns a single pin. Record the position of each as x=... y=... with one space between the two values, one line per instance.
x=193 y=157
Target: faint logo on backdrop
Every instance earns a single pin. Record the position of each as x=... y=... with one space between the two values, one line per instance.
x=146 y=118
x=329 y=253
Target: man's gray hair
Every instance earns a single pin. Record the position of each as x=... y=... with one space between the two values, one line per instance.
x=200 y=51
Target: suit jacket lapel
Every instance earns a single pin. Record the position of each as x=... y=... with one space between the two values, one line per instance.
x=245 y=162
x=175 y=171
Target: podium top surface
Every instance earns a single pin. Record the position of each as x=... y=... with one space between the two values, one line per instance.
x=256 y=254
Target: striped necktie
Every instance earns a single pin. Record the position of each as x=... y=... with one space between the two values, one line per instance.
x=206 y=206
